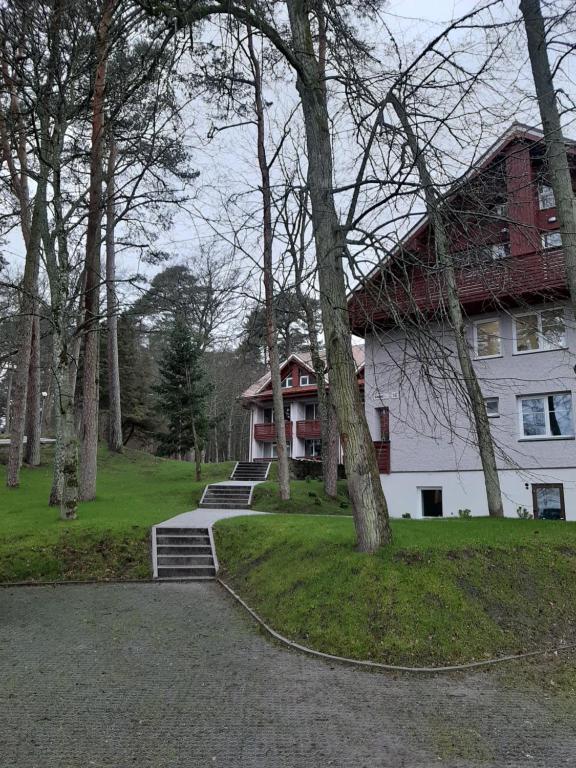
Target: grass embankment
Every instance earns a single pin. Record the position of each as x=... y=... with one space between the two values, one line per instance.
x=306 y=497
x=110 y=538
x=446 y=591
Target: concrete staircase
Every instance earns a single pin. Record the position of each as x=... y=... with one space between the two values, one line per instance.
x=251 y=470
x=183 y=553
x=223 y=496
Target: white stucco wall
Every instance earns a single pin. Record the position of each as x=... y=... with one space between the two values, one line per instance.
x=432 y=442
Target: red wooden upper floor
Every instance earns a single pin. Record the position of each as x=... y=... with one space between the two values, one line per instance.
x=503 y=235
x=298 y=379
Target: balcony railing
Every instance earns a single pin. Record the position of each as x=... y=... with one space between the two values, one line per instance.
x=383 y=456
x=308 y=430
x=267 y=432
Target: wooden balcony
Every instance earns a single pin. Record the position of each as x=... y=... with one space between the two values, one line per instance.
x=509 y=280
x=308 y=430
x=267 y=432
x=383 y=456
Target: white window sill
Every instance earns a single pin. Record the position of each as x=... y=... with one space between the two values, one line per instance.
x=540 y=438
x=488 y=357
x=535 y=351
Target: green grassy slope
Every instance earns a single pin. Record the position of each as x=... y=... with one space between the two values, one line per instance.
x=110 y=536
x=445 y=591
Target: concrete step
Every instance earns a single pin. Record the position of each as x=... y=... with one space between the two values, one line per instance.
x=189 y=540
x=224 y=505
x=164 y=559
x=186 y=571
x=184 y=531
x=185 y=578
x=184 y=549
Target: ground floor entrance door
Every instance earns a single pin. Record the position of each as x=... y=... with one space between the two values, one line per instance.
x=431 y=502
x=548 y=501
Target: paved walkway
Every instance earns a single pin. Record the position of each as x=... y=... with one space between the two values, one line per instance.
x=204 y=518
x=176 y=676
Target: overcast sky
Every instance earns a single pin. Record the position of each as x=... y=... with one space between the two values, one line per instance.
x=227 y=163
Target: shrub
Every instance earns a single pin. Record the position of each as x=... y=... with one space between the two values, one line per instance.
x=406 y=515
x=464 y=514
x=523 y=513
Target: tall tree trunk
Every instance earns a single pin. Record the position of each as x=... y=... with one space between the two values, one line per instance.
x=197 y=452
x=268 y=267
x=365 y=489
x=553 y=138
x=115 y=408
x=229 y=436
x=90 y=382
x=9 y=396
x=20 y=383
x=33 y=404
x=328 y=425
x=444 y=259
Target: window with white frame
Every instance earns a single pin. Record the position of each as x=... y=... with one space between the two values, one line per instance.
x=487 y=338
x=306 y=379
x=499 y=251
x=551 y=239
x=501 y=209
x=313 y=448
x=287 y=382
x=312 y=412
x=492 y=406
x=546 y=197
x=546 y=416
x=269 y=450
x=539 y=331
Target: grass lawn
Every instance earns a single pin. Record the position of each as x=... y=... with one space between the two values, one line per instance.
x=306 y=497
x=445 y=591
x=110 y=538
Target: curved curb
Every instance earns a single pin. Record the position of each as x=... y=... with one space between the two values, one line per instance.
x=386 y=667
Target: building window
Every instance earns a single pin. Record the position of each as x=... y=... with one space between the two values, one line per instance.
x=551 y=239
x=269 y=450
x=499 y=251
x=487 y=342
x=312 y=412
x=546 y=416
x=501 y=209
x=268 y=415
x=546 y=197
x=287 y=382
x=312 y=448
x=538 y=331
x=306 y=379
x=492 y=406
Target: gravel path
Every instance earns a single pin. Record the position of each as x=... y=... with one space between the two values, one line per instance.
x=176 y=676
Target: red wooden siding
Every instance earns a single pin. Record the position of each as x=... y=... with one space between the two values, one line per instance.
x=308 y=430
x=522 y=201
x=267 y=432
x=535 y=274
x=383 y=456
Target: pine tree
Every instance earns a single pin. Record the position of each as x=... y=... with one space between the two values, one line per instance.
x=182 y=395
